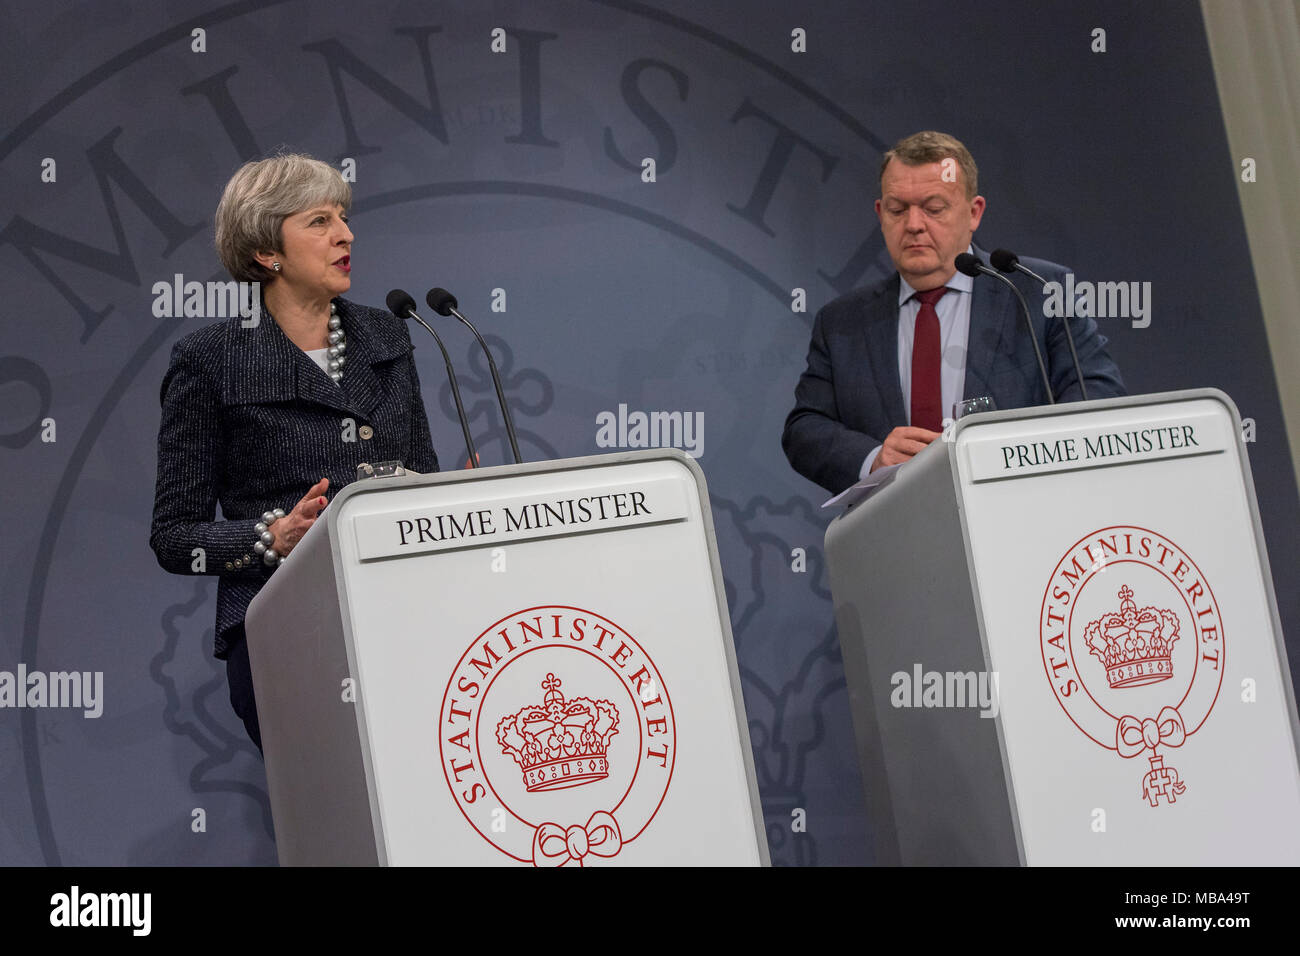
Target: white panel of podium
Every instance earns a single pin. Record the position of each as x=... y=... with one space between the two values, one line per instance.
x=1063 y=645
x=530 y=664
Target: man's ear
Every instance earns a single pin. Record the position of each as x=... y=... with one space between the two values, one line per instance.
x=976 y=212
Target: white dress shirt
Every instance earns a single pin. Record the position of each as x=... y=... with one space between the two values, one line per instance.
x=954 y=333
x=321 y=357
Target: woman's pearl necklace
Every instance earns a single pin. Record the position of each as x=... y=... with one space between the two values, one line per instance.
x=338 y=345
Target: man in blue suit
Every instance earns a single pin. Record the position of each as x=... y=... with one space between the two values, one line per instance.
x=887 y=362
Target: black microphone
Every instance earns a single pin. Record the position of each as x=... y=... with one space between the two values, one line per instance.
x=401 y=304
x=444 y=303
x=1004 y=260
x=971 y=265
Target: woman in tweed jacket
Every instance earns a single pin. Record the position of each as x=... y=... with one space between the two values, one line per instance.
x=275 y=411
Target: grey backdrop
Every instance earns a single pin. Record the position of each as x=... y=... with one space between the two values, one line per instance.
x=521 y=171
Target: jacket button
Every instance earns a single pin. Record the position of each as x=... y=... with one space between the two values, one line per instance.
x=366 y=432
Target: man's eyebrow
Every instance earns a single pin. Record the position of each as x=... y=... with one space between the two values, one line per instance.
x=922 y=202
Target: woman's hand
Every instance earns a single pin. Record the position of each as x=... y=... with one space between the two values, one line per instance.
x=288 y=531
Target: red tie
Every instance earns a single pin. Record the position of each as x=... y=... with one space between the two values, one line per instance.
x=927 y=390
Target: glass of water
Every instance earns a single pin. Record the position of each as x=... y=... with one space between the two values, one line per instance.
x=969 y=406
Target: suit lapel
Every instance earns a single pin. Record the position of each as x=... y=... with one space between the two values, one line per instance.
x=993 y=314
x=314 y=385
x=373 y=338
x=880 y=333
x=264 y=366
x=261 y=367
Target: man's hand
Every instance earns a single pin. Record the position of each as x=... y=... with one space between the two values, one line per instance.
x=901 y=444
x=288 y=531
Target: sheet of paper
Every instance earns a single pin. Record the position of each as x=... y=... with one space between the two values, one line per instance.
x=865 y=488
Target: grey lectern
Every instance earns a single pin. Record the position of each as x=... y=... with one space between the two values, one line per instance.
x=1062 y=644
x=529 y=664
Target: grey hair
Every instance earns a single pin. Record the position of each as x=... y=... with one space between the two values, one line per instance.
x=258 y=199
x=930 y=146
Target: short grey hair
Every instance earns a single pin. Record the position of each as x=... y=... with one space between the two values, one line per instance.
x=258 y=199
x=929 y=146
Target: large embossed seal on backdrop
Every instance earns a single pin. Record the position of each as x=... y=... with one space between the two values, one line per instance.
x=1133 y=646
x=557 y=736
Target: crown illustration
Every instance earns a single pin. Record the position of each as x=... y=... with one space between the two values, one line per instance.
x=1136 y=647
x=561 y=743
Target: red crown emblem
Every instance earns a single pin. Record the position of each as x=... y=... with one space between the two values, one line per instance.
x=1136 y=647
x=561 y=743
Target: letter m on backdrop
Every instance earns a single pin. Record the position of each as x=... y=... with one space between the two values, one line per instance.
x=110 y=170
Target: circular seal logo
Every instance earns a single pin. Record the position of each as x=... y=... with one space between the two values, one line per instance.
x=557 y=736
x=1133 y=646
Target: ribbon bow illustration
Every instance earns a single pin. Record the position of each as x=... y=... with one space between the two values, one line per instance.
x=1132 y=736
x=554 y=845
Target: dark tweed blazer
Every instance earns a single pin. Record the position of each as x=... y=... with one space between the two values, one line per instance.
x=250 y=422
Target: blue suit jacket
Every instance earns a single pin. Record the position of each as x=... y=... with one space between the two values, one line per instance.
x=250 y=422
x=849 y=398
